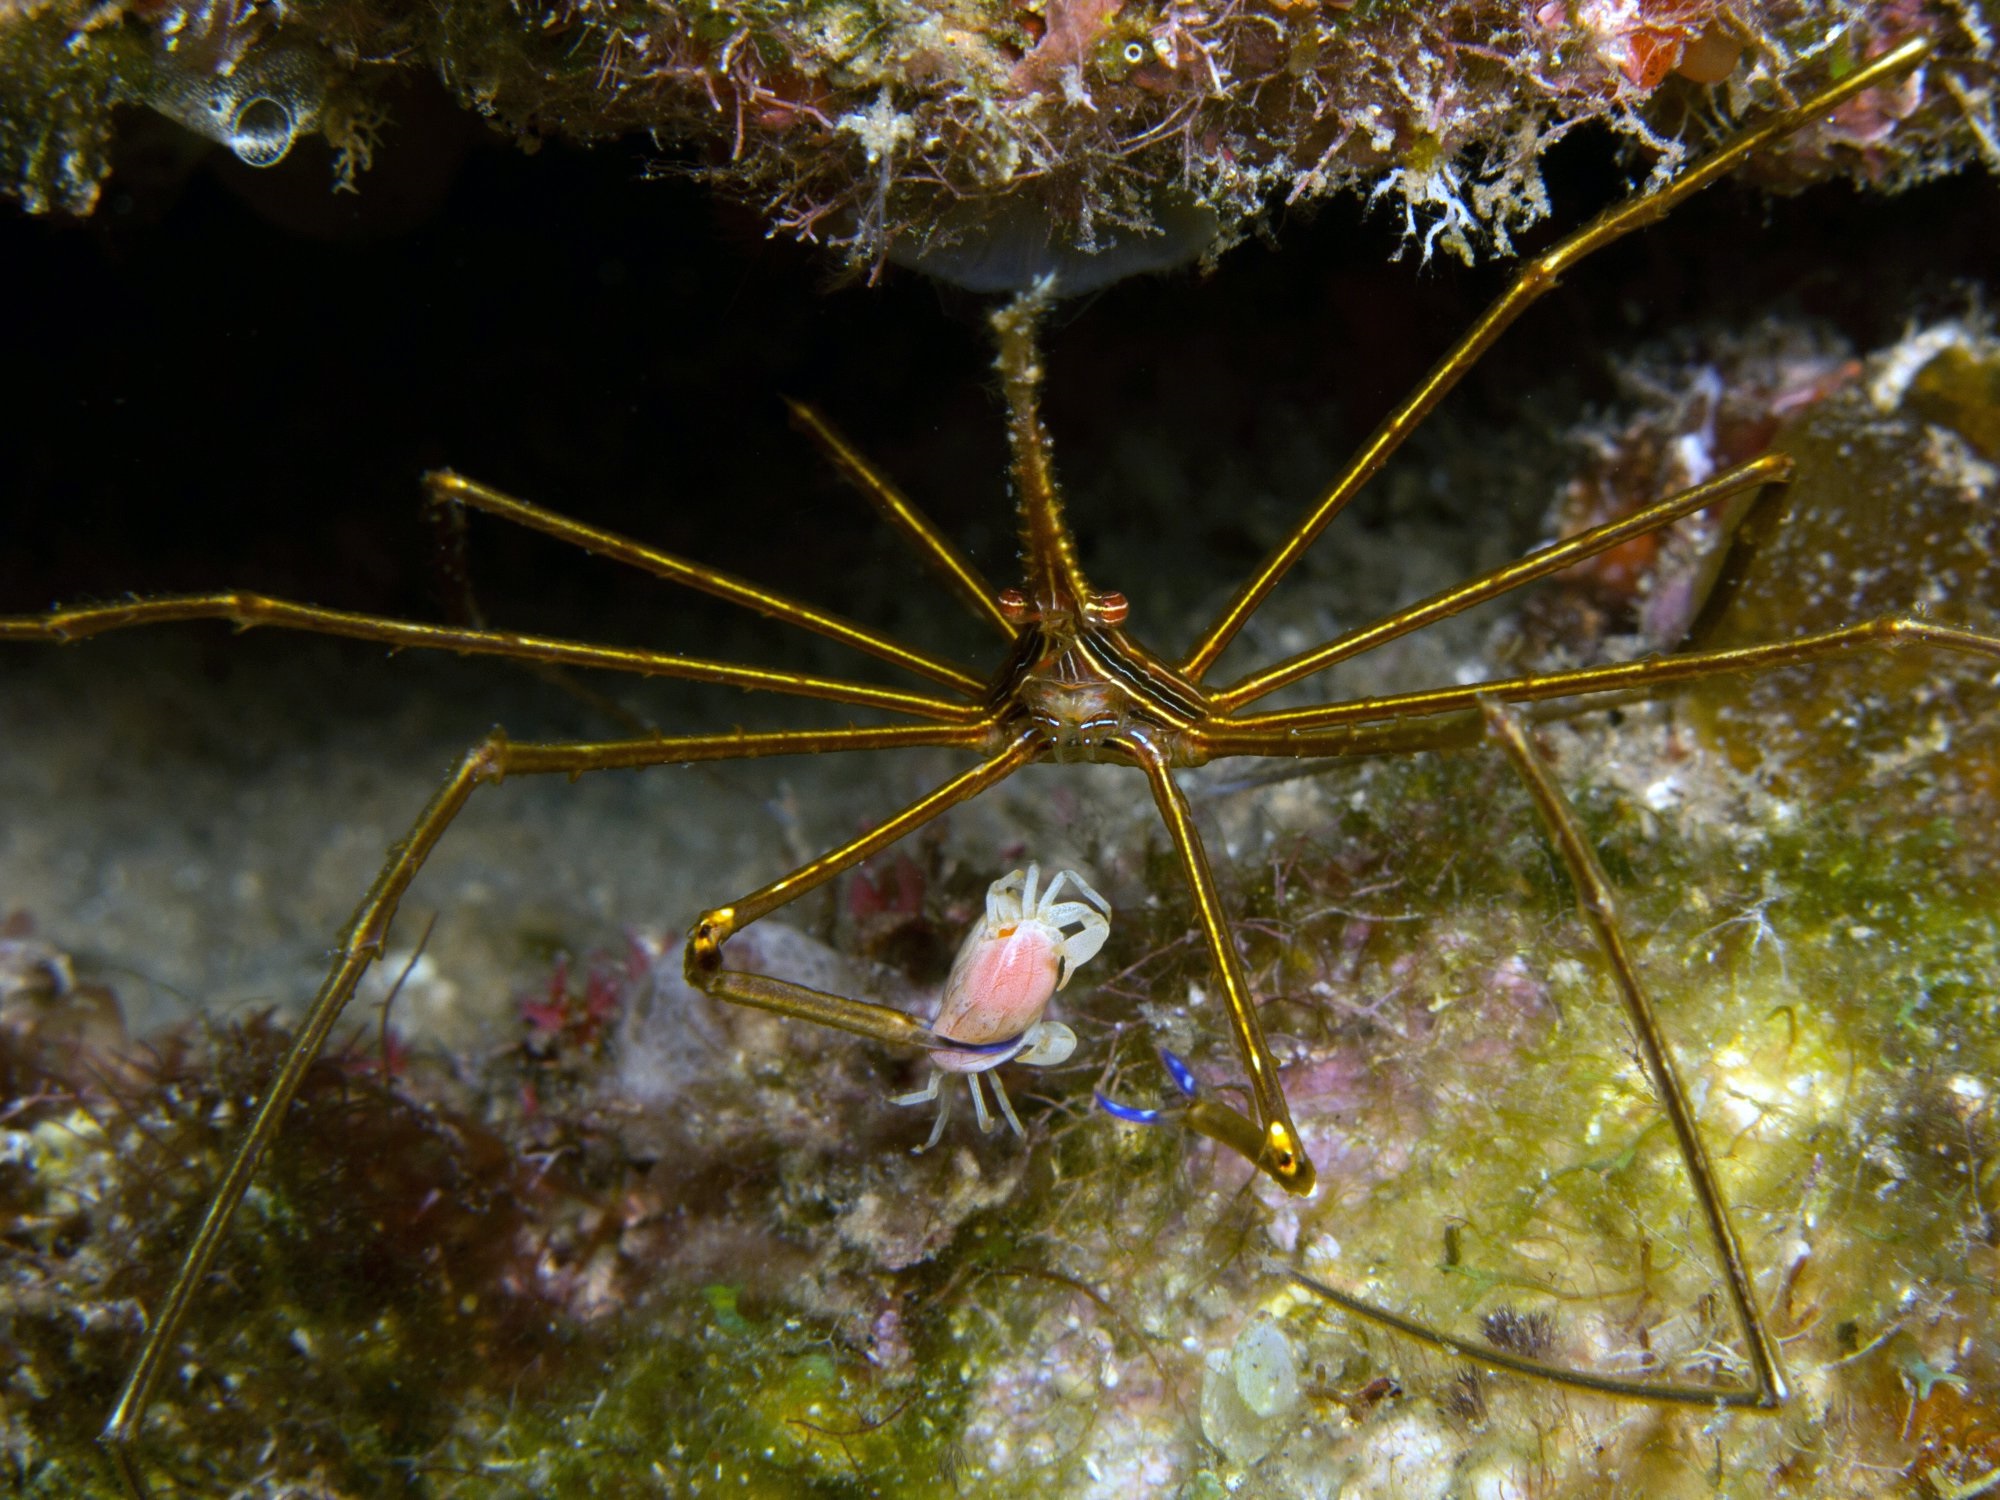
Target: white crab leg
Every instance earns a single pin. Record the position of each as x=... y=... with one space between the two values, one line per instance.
x=1005 y=886
x=926 y=1095
x=937 y=1125
x=1102 y=907
x=1065 y=912
x=978 y=1105
x=1000 y=1098
x=923 y=1095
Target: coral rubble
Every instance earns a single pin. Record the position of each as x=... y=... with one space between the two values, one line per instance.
x=989 y=142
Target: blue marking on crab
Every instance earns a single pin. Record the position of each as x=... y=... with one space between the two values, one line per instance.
x=1184 y=1080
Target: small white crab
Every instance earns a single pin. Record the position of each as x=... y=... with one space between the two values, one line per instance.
x=1009 y=967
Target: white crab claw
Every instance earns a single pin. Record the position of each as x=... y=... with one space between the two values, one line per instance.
x=1049 y=1043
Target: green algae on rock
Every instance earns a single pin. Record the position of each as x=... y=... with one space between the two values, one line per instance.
x=990 y=141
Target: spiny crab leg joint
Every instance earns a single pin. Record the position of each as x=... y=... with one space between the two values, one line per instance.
x=1024 y=948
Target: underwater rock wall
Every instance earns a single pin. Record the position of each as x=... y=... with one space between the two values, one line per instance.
x=989 y=142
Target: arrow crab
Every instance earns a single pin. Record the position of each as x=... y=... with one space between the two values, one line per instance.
x=1074 y=685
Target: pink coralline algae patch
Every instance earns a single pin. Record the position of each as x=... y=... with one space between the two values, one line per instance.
x=1644 y=43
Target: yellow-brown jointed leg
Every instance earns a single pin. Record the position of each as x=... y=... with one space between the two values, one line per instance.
x=1600 y=908
x=1270 y=1142
x=1765 y=1388
x=451 y=568
x=492 y=760
x=447 y=488
x=1530 y=282
x=1221 y=739
x=1772 y=468
x=703 y=959
x=937 y=550
x=1296 y=731
x=247 y=611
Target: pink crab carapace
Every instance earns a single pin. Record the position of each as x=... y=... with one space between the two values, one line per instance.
x=1016 y=956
